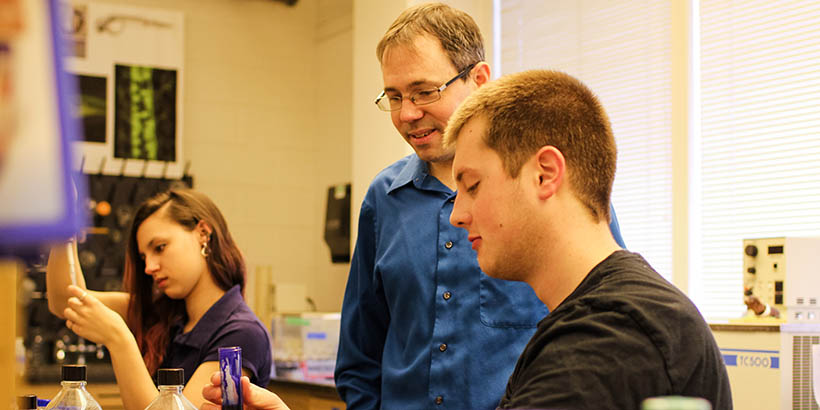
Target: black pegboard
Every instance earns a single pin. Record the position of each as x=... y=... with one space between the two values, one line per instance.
x=111 y=203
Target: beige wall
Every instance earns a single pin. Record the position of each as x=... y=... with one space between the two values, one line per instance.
x=267 y=127
x=376 y=144
x=334 y=88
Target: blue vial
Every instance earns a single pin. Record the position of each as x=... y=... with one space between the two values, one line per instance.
x=230 y=365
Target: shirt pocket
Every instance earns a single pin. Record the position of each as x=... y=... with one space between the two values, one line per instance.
x=504 y=303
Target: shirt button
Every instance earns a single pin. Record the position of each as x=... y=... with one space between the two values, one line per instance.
x=448 y=245
x=439 y=399
x=452 y=200
x=442 y=347
x=447 y=295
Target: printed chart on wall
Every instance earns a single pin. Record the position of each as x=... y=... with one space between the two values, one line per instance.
x=128 y=62
x=36 y=99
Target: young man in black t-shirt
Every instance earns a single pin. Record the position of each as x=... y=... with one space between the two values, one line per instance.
x=534 y=164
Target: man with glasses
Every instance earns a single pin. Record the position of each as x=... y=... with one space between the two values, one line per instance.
x=422 y=326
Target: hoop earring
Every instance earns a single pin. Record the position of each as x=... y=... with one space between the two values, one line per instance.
x=204 y=251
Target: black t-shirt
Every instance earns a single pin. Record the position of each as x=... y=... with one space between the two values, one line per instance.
x=623 y=335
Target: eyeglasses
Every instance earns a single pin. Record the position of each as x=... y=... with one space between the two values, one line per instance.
x=423 y=97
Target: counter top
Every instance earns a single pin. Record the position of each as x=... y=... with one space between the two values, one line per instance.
x=307 y=395
x=745 y=327
x=318 y=386
x=297 y=394
x=107 y=394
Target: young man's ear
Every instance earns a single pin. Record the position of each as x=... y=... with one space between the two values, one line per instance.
x=550 y=168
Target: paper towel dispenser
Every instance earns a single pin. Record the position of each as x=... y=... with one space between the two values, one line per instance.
x=337 y=223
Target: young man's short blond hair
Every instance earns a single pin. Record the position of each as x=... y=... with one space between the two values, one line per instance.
x=456 y=30
x=528 y=110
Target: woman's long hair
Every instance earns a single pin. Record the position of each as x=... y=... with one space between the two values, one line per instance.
x=150 y=312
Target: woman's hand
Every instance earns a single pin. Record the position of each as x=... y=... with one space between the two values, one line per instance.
x=253 y=397
x=89 y=318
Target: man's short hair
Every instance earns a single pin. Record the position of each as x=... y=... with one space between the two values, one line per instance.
x=456 y=30
x=528 y=110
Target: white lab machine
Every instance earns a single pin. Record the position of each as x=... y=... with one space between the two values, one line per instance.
x=305 y=344
x=784 y=273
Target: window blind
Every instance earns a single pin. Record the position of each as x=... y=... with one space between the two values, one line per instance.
x=760 y=136
x=621 y=50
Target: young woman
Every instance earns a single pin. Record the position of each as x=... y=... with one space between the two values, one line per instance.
x=183 y=284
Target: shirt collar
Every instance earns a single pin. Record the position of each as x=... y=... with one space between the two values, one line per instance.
x=416 y=171
x=216 y=316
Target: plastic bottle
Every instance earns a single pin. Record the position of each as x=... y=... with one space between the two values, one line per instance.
x=170 y=382
x=28 y=402
x=73 y=395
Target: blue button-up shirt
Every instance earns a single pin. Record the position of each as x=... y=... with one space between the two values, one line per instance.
x=422 y=326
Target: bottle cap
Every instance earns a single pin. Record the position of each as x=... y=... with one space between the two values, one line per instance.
x=27 y=402
x=675 y=403
x=74 y=373
x=170 y=377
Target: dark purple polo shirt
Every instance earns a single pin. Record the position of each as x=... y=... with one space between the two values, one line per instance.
x=229 y=322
